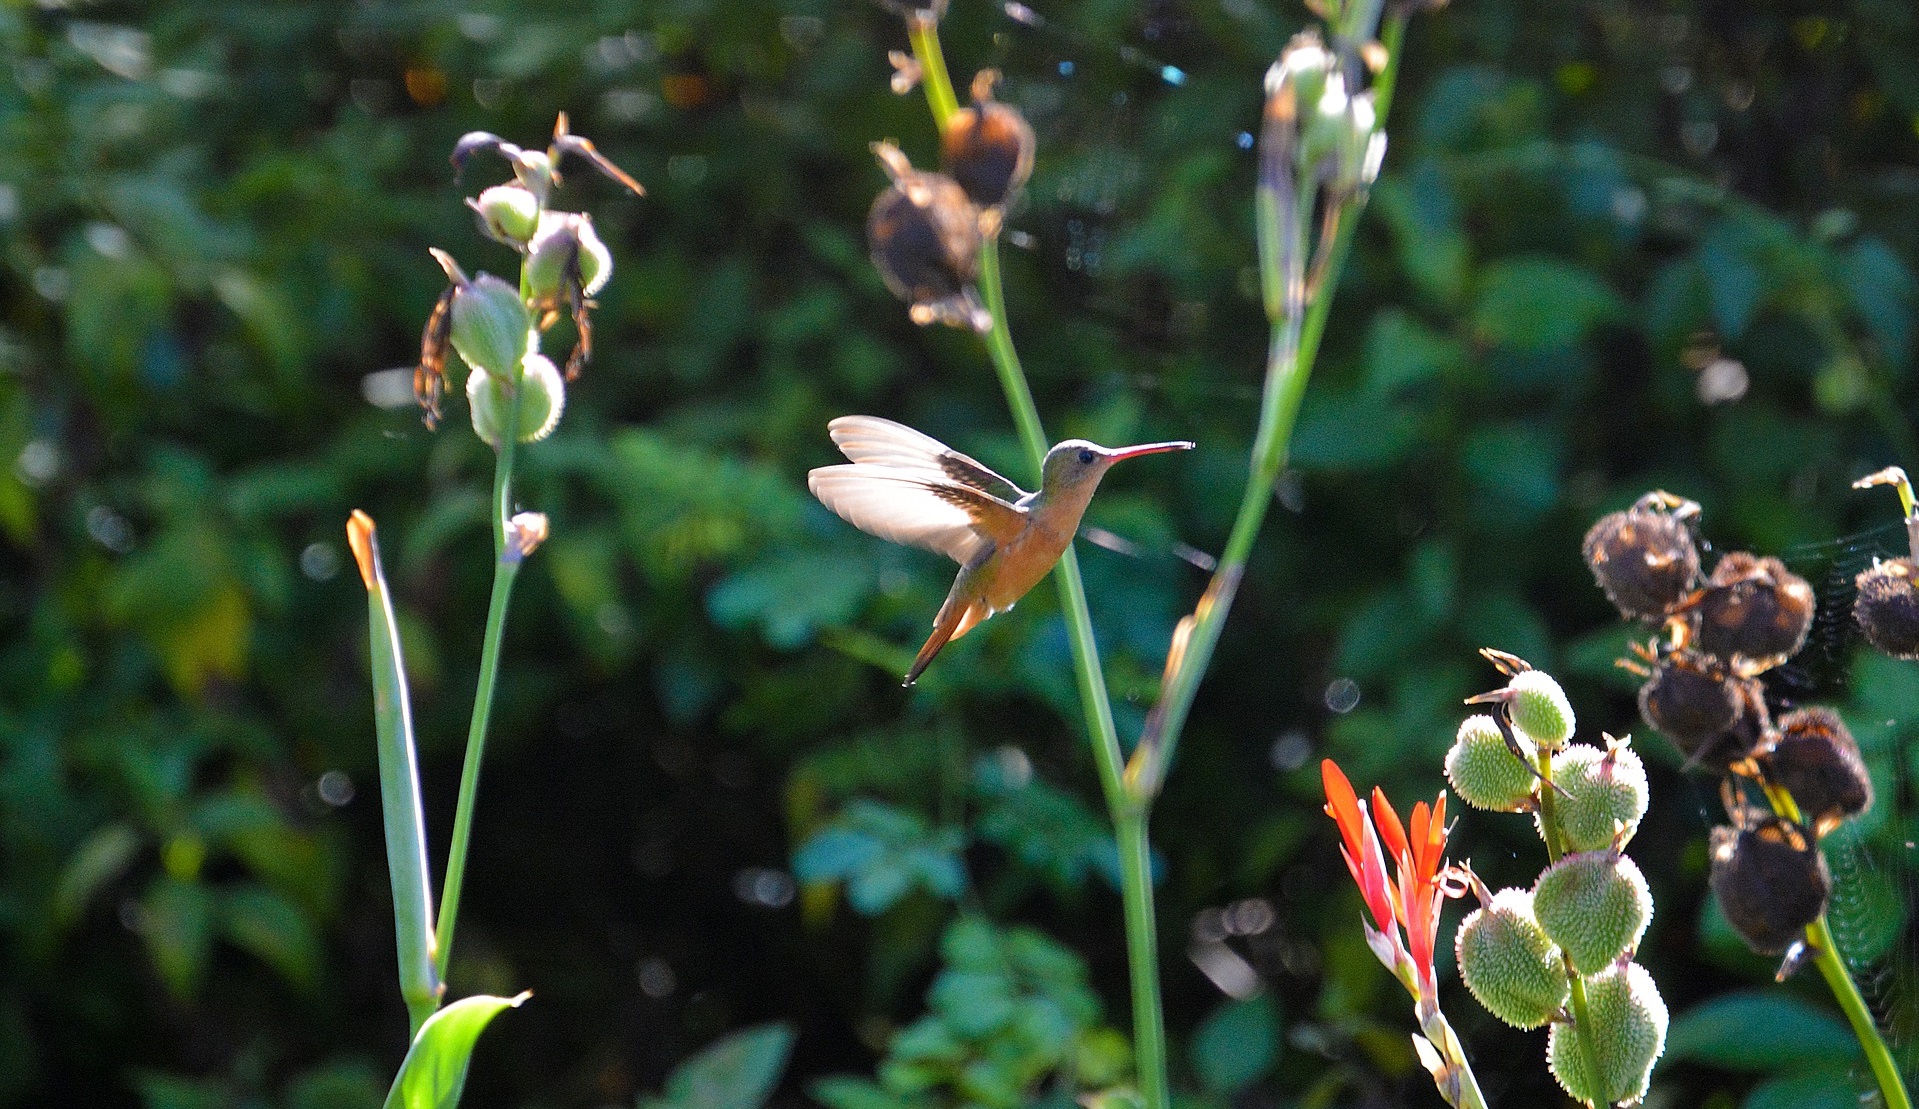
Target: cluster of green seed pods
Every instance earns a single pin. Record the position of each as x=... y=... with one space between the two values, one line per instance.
x=1560 y=953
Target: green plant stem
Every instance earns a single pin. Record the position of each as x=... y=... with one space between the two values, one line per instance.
x=1555 y=850
x=1444 y=1040
x=1832 y=966
x=1128 y=814
x=505 y=570
x=1291 y=355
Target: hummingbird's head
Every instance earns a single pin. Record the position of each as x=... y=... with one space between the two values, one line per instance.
x=1076 y=461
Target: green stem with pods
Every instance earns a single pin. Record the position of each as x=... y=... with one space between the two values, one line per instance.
x=1129 y=814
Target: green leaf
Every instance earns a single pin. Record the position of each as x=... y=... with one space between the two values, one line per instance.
x=1760 y=1031
x=267 y=925
x=738 y=1072
x=1237 y=1044
x=179 y=933
x=402 y=813
x=434 y=1071
x=104 y=856
x=1821 y=1088
x=1536 y=303
x=847 y=1092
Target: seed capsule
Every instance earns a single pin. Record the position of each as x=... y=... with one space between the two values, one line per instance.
x=1644 y=558
x=988 y=148
x=490 y=325
x=1816 y=759
x=1887 y=607
x=540 y=406
x=1508 y=963
x=1603 y=795
x=1595 y=905
x=1754 y=613
x=1708 y=715
x=1627 y=1036
x=1771 y=882
x=1484 y=771
x=924 y=237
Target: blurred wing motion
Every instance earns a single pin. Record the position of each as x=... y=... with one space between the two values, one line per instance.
x=911 y=488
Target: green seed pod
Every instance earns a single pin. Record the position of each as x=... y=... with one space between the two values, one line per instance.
x=1508 y=963
x=1483 y=770
x=1540 y=708
x=1628 y=1034
x=564 y=239
x=509 y=213
x=540 y=409
x=1595 y=906
x=490 y=325
x=1605 y=795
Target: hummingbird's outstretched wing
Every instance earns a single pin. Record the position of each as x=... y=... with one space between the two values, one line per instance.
x=909 y=506
x=870 y=440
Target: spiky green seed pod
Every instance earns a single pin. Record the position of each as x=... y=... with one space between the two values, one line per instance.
x=1483 y=770
x=508 y=213
x=1627 y=1034
x=1540 y=708
x=1594 y=905
x=489 y=325
x=1508 y=962
x=540 y=409
x=1605 y=795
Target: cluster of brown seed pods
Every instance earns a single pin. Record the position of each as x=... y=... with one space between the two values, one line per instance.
x=1716 y=635
x=926 y=230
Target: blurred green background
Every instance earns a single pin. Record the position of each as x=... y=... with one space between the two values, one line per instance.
x=1618 y=245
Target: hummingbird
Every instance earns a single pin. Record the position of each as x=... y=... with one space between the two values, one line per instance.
x=911 y=488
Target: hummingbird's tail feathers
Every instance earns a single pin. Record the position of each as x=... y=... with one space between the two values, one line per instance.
x=873 y=441
x=955 y=619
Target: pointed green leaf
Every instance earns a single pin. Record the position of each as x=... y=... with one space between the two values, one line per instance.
x=434 y=1071
x=738 y=1072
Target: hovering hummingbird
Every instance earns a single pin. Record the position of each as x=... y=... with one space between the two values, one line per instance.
x=913 y=489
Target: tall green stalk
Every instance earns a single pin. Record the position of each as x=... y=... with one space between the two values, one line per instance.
x=1128 y=814
x=1832 y=967
x=505 y=570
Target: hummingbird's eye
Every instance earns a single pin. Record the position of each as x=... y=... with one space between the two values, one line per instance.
x=1085 y=457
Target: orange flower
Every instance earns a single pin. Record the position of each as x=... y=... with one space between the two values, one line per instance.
x=1412 y=902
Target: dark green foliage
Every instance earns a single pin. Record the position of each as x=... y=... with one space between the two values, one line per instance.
x=214 y=219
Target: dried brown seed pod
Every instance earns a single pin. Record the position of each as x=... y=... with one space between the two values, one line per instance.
x=923 y=234
x=1645 y=558
x=1714 y=718
x=1754 y=612
x=1887 y=607
x=988 y=148
x=1816 y=759
x=1771 y=882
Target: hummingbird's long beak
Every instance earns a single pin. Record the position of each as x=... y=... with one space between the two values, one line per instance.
x=1120 y=454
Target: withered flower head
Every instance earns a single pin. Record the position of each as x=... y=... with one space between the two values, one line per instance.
x=1771 y=881
x=1887 y=607
x=988 y=150
x=1817 y=761
x=924 y=238
x=1645 y=558
x=1754 y=613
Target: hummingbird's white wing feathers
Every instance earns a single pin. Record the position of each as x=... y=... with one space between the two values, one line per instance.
x=871 y=440
x=908 y=506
